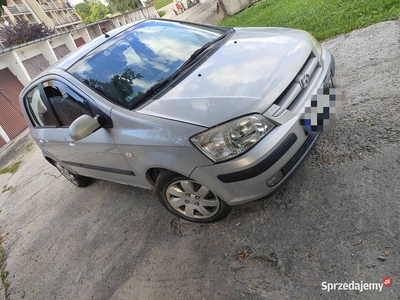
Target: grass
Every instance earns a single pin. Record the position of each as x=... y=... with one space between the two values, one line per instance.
x=161 y=13
x=6 y=189
x=3 y=271
x=321 y=18
x=160 y=3
x=11 y=169
x=29 y=146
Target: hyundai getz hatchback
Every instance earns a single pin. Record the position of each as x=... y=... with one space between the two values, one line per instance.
x=209 y=117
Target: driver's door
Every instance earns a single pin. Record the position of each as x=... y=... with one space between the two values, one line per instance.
x=53 y=106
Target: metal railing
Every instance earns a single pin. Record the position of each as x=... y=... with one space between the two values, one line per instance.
x=68 y=19
x=13 y=10
x=55 y=22
x=55 y=6
x=76 y=18
x=22 y=8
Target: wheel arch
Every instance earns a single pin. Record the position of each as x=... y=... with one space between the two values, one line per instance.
x=153 y=173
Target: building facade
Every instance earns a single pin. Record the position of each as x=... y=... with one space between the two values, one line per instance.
x=55 y=14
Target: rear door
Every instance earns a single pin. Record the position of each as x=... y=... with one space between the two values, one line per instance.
x=52 y=106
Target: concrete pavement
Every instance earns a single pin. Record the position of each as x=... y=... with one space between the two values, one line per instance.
x=200 y=13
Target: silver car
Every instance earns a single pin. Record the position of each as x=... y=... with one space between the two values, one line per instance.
x=209 y=117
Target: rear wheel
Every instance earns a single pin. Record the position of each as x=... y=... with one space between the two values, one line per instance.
x=77 y=180
x=188 y=199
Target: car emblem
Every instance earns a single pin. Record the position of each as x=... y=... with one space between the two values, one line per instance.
x=304 y=81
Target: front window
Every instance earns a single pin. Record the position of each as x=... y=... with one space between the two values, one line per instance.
x=124 y=68
x=67 y=105
x=37 y=110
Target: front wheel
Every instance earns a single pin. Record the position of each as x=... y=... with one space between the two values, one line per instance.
x=188 y=199
x=77 y=180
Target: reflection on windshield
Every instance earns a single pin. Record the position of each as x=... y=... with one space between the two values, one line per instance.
x=126 y=66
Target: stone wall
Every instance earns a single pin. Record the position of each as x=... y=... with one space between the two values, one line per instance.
x=234 y=6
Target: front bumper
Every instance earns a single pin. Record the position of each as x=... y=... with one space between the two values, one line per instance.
x=245 y=178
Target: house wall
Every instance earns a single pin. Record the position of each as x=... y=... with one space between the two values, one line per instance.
x=12 y=121
x=37 y=9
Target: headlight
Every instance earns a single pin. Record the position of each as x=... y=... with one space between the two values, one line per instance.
x=232 y=138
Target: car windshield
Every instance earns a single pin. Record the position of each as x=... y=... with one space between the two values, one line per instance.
x=127 y=66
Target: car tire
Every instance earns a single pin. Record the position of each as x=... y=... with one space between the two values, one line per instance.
x=77 y=180
x=188 y=199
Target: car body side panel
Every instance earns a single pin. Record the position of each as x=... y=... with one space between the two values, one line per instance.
x=156 y=142
x=95 y=156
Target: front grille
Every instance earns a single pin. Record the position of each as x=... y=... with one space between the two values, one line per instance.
x=290 y=98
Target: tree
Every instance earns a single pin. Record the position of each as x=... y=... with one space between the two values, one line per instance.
x=91 y=11
x=124 y=5
x=2 y=2
x=23 y=32
x=119 y=87
x=83 y=10
x=97 y=10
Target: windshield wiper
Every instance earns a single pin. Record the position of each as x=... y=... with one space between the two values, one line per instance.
x=196 y=54
x=170 y=78
x=154 y=89
x=200 y=50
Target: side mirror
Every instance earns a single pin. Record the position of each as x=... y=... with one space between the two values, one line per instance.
x=83 y=127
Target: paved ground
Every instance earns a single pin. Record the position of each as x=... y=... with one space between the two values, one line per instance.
x=336 y=220
x=205 y=12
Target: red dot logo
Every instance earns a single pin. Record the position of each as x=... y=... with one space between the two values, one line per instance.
x=387 y=281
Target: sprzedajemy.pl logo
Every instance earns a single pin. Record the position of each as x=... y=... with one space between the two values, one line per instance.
x=356 y=286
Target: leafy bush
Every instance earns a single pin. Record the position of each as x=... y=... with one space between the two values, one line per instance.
x=23 y=32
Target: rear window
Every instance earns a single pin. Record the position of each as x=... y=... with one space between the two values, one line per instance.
x=128 y=65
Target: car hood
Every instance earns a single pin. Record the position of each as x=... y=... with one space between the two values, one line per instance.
x=243 y=76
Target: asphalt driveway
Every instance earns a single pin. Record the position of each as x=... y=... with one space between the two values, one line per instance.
x=335 y=221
